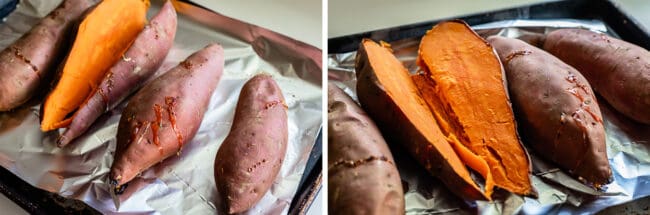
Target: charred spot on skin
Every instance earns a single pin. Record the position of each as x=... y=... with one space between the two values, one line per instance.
x=55 y=14
x=274 y=103
x=156 y=126
x=356 y=163
x=18 y=53
x=516 y=54
x=171 y=105
x=120 y=189
x=186 y=64
x=104 y=97
x=59 y=141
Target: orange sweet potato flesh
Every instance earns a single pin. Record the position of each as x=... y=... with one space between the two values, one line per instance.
x=463 y=83
x=103 y=36
x=390 y=97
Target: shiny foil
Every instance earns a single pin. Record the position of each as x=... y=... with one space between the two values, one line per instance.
x=628 y=147
x=182 y=184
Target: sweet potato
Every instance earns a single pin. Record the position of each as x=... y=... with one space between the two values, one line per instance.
x=463 y=83
x=392 y=100
x=30 y=61
x=103 y=36
x=617 y=70
x=250 y=157
x=165 y=115
x=556 y=109
x=363 y=178
x=140 y=62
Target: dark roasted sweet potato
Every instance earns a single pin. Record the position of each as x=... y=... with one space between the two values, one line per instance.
x=390 y=97
x=33 y=58
x=463 y=83
x=165 y=114
x=250 y=157
x=362 y=175
x=617 y=70
x=556 y=109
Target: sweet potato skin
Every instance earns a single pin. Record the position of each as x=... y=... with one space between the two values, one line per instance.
x=30 y=61
x=165 y=114
x=617 y=70
x=250 y=157
x=397 y=128
x=363 y=178
x=140 y=62
x=557 y=110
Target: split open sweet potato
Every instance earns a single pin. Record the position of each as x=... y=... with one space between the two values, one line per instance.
x=556 y=109
x=463 y=82
x=393 y=101
x=138 y=64
x=27 y=64
x=103 y=36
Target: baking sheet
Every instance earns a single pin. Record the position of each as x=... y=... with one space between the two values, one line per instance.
x=628 y=147
x=181 y=184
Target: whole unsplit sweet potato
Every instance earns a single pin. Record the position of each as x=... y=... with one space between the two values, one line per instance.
x=103 y=36
x=165 y=114
x=362 y=175
x=389 y=96
x=557 y=111
x=464 y=84
x=617 y=70
x=140 y=62
x=250 y=157
x=30 y=61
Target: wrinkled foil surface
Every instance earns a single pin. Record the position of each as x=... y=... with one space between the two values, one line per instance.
x=628 y=147
x=181 y=184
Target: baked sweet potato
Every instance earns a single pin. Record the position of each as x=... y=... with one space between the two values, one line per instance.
x=617 y=70
x=250 y=157
x=466 y=87
x=165 y=115
x=391 y=99
x=139 y=63
x=362 y=175
x=103 y=36
x=556 y=109
x=30 y=61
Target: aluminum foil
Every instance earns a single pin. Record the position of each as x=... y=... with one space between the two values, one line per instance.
x=181 y=184
x=628 y=147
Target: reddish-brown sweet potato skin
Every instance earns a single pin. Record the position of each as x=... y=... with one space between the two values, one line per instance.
x=33 y=58
x=250 y=157
x=618 y=70
x=397 y=128
x=556 y=108
x=165 y=114
x=140 y=62
x=363 y=178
